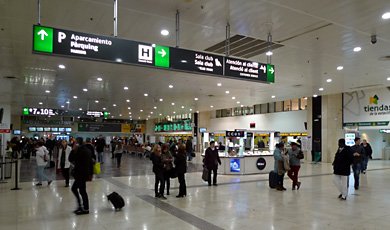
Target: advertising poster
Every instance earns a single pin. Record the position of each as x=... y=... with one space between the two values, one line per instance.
x=235 y=165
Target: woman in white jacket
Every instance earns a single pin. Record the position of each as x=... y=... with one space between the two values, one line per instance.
x=42 y=158
x=63 y=160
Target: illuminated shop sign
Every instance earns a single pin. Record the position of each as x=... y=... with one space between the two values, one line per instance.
x=235 y=165
x=48 y=40
x=40 y=111
x=235 y=133
x=173 y=126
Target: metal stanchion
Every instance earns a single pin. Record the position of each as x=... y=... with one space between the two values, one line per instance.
x=16 y=176
x=2 y=179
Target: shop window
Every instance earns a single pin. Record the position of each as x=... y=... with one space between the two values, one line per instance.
x=287 y=105
x=279 y=106
x=218 y=113
x=271 y=107
x=295 y=104
x=257 y=109
x=264 y=108
x=303 y=105
x=226 y=112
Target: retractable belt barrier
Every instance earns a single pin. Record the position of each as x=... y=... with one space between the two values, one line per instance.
x=16 y=162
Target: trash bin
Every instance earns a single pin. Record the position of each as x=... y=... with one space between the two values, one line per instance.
x=7 y=169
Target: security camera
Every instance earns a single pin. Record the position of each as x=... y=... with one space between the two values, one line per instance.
x=373 y=39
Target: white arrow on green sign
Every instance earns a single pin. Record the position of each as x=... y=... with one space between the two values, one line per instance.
x=43 y=39
x=161 y=56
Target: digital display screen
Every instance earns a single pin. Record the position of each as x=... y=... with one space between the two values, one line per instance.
x=202 y=130
x=235 y=165
x=47 y=129
x=32 y=129
x=16 y=132
x=39 y=129
x=61 y=129
x=68 y=129
x=53 y=129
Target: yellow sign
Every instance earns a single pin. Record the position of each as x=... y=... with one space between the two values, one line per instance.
x=125 y=128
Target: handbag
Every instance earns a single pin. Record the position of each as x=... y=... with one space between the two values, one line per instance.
x=205 y=173
x=96 y=168
x=173 y=173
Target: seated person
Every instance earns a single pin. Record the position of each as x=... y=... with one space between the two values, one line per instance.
x=221 y=147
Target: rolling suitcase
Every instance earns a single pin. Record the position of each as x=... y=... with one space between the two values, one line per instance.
x=116 y=200
x=273 y=179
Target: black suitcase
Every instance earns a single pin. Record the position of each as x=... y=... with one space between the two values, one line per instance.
x=116 y=200
x=273 y=179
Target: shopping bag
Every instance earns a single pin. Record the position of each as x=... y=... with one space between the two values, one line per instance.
x=96 y=168
x=205 y=174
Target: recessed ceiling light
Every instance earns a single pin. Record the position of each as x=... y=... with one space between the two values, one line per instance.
x=227 y=92
x=129 y=113
x=145 y=94
x=190 y=109
x=125 y=88
x=329 y=80
x=160 y=114
x=315 y=95
x=183 y=61
x=127 y=100
x=386 y=15
x=104 y=108
x=357 y=49
x=305 y=98
x=141 y=110
x=100 y=79
x=118 y=60
x=96 y=101
x=154 y=107
x=78 y=117
x=80 y=109
x=238 y=102
x=67 y=102
x=170 y=86
x=196 y=99
x=242 y=105
x=197 y=111
x=161 y=99
x=164 y=32
x=85 y=90
x=147 y=119
x=120 y=115
x=139 y=117
x=114 y=105
x=269 y=53
x=40 y=103
x=321 y=89
x=233 y=98
x=151 y=112
x=128 y=107
x=174 y=112
x=62 y=106
x=340 y=67
x=61 y=66
x=273 y=96
x=47 y=91
x=388 y=78
x=211 y=106
x=173 y=103
x=75 y=97
x=219 y=84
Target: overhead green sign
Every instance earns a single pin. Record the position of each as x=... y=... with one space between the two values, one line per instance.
x=270 y=73
x=105 y=114
x=161 y=54
x=43 y=39
x=25 y=111
x=173 y=126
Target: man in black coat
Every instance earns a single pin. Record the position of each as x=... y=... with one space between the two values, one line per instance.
x=211 y=161
x=100 y=144
x=81 y=158
x=358 y=154
x=367 y=155
x=342 y=168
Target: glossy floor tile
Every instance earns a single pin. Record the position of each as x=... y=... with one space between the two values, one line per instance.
x=238 y=202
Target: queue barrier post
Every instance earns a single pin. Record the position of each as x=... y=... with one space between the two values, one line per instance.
x=16 y=176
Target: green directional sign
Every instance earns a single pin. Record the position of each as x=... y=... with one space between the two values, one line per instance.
x=105 y=114
x=270 y=73
x=25 y=111
x=43 y=39
x=161 y=54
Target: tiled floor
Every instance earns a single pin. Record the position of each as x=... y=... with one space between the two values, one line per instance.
x=239 y=202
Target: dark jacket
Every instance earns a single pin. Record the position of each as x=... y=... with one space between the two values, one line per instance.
x=189 y=146
x=181 y=164
x=211 y=159
x=368 y=150
x=357 y=149
x=91 y=150
x=82 y=161
x=342 y=162
x=100 y=144
x=158 y=165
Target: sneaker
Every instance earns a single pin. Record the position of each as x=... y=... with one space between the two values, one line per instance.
x=77 y=210
x=343 y=198
x=82 y=212
x=341 y=195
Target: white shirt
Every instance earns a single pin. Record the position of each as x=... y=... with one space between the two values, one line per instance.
x=40 y=158
x=67 y=152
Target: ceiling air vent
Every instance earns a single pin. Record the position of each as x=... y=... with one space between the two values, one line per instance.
x=243 y=46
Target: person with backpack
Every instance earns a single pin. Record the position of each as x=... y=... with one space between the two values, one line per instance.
x=42 y=157
x=81 y=158
x=295 y=156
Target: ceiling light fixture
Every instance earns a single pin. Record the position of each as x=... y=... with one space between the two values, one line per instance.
x=211 y=106
x=197 y=111
x=141 y=110
x=40 y=103
x=273 y=96
x=104 y=108
x=242 y=106
x=62 y=106
x=47 y=91
x=61 y=66
x=154 y=107
x=145 y=94
x=340 y=67
x=174 y=112
x=96 y=101
x=321 y=89
x=227 y=92
x=173 y=103
x=118 y=60
x=125 y=88
x=127 y=100
x=182 y=107
x=120 y=115
x=388 y=79
x=386 y=16
x=85 y=90
x=233 y=98
x=196 y=99
x=219 y=84
x=151 y=112
x=80 y=109
x=75 y=97
x=100 y=79
x=269 y=53
x=305 y=98
x=238 y=102
x=129 y=113
x=114 y=105
x=164 y=32
x=161 y=99
x=357 y=49
x=160 y=114
x=329 y=80
x=67 y=102
x=183 y=61
x=315 y=95
x=129 y=108
x=170 y=86
x=190 y=109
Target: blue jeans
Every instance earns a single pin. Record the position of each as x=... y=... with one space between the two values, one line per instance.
x=364 y=163
x=356 y=173
x=41 y=174
x=100 y=157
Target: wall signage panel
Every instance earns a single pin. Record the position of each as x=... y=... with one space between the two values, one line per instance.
x=47 y=40
x=184 y=125
x=235 y=133
x=40 y=111
x=99 y=127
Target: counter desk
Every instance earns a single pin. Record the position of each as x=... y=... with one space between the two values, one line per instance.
x=256 y=163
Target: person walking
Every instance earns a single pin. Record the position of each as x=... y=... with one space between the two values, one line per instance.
x=63 y=160
x=100 y=144
x=211 y=161
x=358 y=153
x=42 y=157
x=342 y=168
x=158 y=170
x=167 y=160
x=118 y=153
x=295 y=165
x=81 y=158
x=181 y=169
x=367 y=155
x=279 y=166
x=189 y=148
